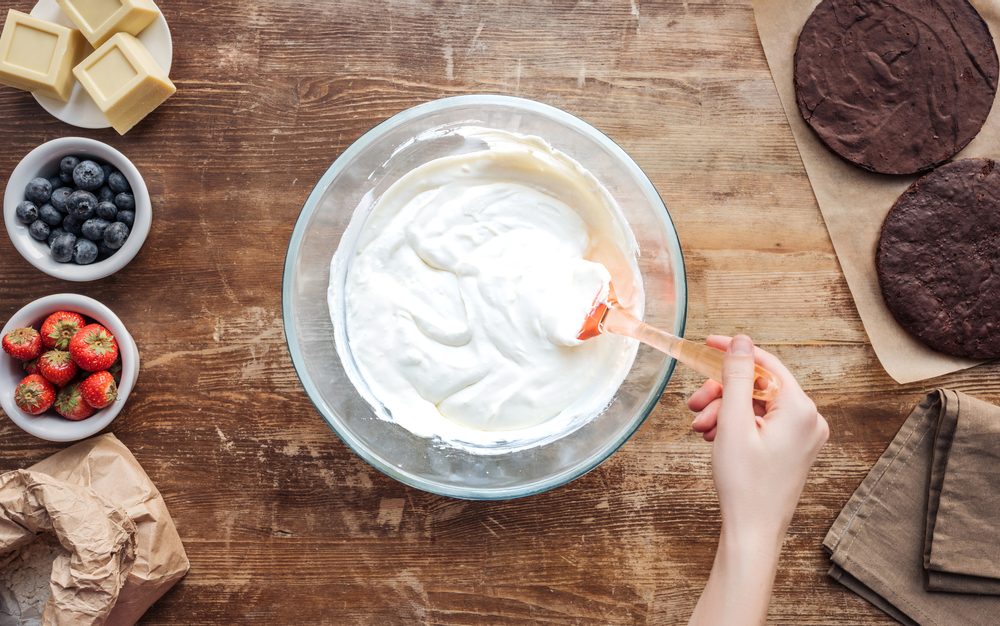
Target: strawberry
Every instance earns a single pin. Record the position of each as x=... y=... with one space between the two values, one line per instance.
x=71 y=405
x=59 y=328
x=99 y=390
x=34 y=395
x=23 y=344
x=93 y=348
x=57 y=367
x=30 y=367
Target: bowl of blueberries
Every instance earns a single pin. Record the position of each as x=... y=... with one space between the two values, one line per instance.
x=77 y=209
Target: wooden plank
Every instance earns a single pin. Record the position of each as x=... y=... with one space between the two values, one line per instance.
x=282 y=522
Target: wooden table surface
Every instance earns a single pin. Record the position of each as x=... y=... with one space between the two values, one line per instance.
x=282 y=523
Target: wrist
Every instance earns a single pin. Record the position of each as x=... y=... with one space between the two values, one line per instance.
x=739 y=587
x=758 y=543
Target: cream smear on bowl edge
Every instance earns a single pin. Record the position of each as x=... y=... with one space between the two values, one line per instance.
x=456 y=311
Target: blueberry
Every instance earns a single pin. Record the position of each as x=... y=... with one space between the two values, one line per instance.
x=38 y=190
x=49 y=215
x=68 y=164
x=73 y=225
x=26 y=212
x=55 y=233
x=107 y=169
x=94 y=229
x=105 y=194
x=39 y=230
x=59 y=198
x=125 y=202
x=103 y=251
x=107 y=211
x=118 y=182
x=62 y=248
x=82 y=204
x=84 y=252
x=127 y=218
x=66 y=178
x=88 y=175
x=115 y=235
x=56 y=182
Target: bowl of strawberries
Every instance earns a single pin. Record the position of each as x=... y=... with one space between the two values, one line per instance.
x=68 y=367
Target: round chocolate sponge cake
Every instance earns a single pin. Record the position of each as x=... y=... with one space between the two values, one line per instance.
x=938 y=259
x=895 y=86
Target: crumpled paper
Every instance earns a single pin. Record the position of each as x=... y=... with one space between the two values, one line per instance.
x=96 y=498
x=98 y=535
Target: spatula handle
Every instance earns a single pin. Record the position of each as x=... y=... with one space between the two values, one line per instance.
x=708 y=361
x=699 y=357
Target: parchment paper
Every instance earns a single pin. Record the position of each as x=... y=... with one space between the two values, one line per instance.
x=854 y=202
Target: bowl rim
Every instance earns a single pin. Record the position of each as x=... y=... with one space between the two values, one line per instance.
x=311 y=206
x=25 y=245
x=76 y=431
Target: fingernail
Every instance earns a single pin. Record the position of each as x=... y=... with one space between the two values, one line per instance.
x=742 y=346
x=696 y=418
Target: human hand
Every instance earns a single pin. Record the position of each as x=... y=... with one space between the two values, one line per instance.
x=762 y=452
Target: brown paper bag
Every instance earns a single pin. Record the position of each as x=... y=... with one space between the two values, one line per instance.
x=105 y=469
x=99 y=536
x=854 y=202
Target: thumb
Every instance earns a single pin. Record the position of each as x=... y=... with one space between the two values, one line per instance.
x=737 y=385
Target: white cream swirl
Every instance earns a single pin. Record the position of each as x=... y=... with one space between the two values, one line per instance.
x=468 y=284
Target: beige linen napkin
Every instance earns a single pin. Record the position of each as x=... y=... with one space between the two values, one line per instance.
x=926 y=518
x=961 y=546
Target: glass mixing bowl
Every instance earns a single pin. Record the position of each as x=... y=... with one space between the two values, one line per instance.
x=355 y=181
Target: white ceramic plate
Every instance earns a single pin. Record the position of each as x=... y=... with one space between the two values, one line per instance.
x=81 y=110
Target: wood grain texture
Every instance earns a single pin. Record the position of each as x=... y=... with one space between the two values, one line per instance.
x=283 y=524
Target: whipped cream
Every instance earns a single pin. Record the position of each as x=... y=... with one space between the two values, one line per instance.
x=469 y=282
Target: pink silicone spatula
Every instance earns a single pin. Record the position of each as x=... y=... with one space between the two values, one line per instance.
x=608 y=317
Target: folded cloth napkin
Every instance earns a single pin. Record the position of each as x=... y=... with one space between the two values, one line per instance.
x=920 y=538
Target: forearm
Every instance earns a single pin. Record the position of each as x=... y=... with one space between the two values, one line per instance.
x=739 y=588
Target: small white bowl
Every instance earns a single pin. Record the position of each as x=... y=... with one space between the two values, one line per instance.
x=49 y=425
x=43 y=161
